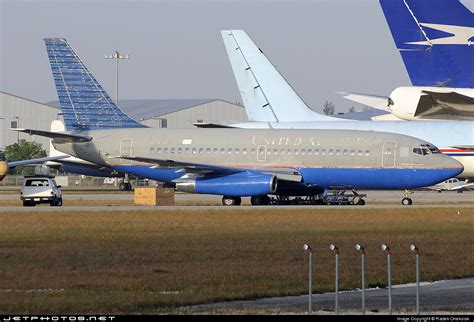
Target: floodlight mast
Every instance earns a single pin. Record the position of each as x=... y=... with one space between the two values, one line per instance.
x=117 y=56
x=333 y=248
x=308 y=248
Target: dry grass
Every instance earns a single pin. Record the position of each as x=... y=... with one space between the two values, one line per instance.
x=148 y=262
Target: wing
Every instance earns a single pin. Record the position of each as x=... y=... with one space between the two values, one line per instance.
x=287 y=174
x=34 y=161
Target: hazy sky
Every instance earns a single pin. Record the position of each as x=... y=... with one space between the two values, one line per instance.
x=176 y=49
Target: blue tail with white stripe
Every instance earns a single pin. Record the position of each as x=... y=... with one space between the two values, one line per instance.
x=435 y=39
x=84 y=103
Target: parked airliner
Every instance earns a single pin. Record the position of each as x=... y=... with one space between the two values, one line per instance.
x=435 y=40
x=270 y=102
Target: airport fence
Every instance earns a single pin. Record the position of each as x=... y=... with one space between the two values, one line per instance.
x=79 y=181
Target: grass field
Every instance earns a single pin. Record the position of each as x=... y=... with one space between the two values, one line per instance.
x=152 y=262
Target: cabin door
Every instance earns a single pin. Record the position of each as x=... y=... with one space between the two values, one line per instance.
x=261 y=153
x=126 y=150
x=388 y=154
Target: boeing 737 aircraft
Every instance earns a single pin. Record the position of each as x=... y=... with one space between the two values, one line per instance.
x=435 y=40
x=272 y=103
x=233 y=162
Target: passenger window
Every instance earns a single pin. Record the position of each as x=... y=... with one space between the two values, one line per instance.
x=201 y=150
x=367 y=152
x=194 y=150
x=172 y=150
x=330 y=152
x=288 y=152
x=275 y=151
x=338 y=152
x=360 y=152
x=282 y=151
x=229 y=151
x=208 y=150
x=310 y=152
x=186 y=150
x=165 y=150
x=252 y=152
x=244 y=151
x=345 y=152
x=237 y=151
x=297 y=151
x=222 y=150
x=323 y=152
x=180 y=150
x=353 y=152
x=303 y=151
x=158 y=150
x=316 y=152
x=216 y=150
x=152 y=150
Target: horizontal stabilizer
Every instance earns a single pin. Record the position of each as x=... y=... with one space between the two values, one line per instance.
x=378 y=102
x=34 y=161
x=57 y=135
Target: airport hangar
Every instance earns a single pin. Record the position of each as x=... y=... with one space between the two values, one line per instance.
x=167 y=113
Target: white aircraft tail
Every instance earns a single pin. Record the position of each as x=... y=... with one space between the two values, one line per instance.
x=266 y=94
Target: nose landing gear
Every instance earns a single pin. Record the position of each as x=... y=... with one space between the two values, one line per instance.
x=406 y=201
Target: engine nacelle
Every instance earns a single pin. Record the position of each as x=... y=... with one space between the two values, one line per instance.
x=3 y=169
x=403 y=102
x=42 y=170
x=242 y=184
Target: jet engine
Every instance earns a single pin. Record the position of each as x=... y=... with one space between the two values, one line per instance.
x=42 y=170
x=239 y=184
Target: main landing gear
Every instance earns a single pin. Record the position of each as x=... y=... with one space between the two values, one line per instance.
x=231 y=201
x=260 y=200
x=125 y=185
x=407 y=201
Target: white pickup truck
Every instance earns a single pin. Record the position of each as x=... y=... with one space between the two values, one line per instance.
x=40 y=189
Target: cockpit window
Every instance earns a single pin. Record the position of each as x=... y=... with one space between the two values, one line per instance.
x=426 y=149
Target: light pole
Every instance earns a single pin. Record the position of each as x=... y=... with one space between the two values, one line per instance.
x=387 y=250
x=310 y=277
x=361 y=250
x=117 y=56
x=415 y=249
x=1 y=133
x=333 y=248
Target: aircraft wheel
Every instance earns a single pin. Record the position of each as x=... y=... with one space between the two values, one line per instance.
x=406 y=201
x=231 y=201
x=122 y=186
x=259 y=200
x=27 y=203
x=128 y=186
x=459 y=191
x=361 y=202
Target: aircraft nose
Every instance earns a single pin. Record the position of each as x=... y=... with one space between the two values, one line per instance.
x=453 y=166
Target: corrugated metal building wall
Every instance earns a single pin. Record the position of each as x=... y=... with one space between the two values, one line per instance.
x=19 y=112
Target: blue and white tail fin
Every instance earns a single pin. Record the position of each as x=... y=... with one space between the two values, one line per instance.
x=435 y=39
x=85 y=105
x=266 y=94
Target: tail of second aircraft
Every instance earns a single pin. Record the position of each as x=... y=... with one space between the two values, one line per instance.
x=435 y=39
x=85 y=105
x=266 y=94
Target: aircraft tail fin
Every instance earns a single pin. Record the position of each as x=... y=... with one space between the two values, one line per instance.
x=435 y=39
x=266 y=94
x=84 y=103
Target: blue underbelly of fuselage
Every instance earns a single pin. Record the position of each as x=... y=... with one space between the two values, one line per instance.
x=355 y=178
